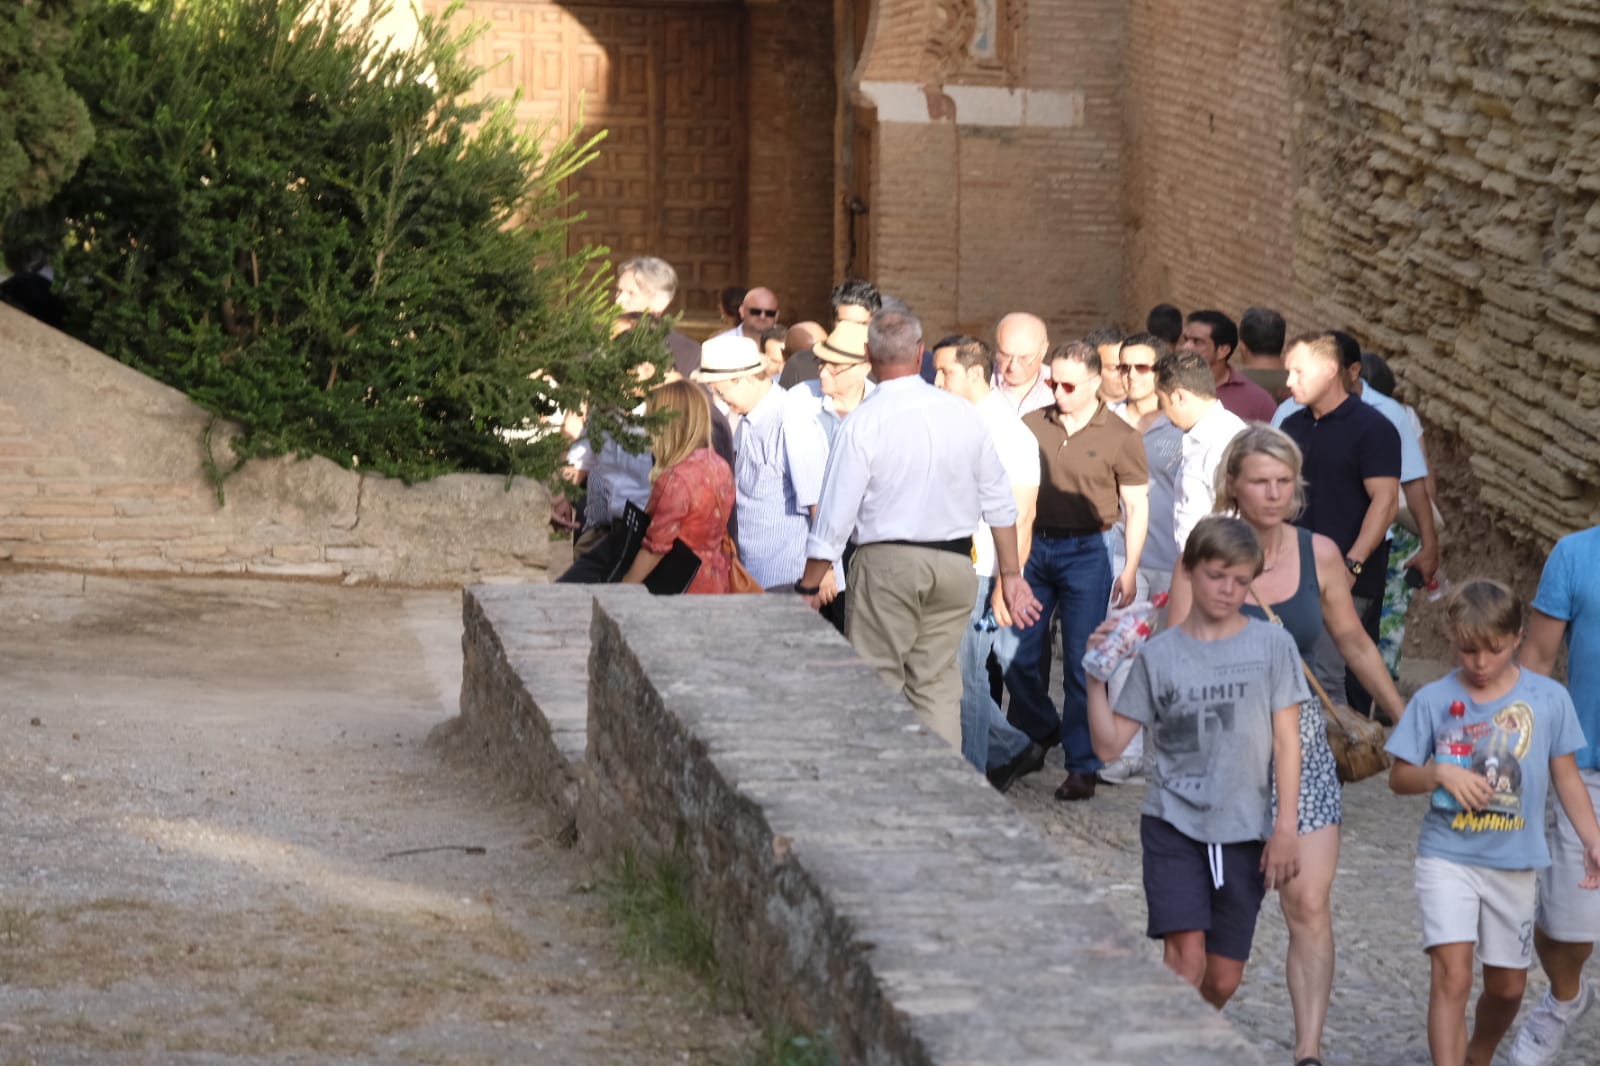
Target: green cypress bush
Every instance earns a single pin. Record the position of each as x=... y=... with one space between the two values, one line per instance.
x=44 y=126
x=333 y=244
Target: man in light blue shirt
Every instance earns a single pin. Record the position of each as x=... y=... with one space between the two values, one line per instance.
x=1566 y=609
x=779 y=455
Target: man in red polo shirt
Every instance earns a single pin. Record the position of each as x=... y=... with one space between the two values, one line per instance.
x=1213 y=336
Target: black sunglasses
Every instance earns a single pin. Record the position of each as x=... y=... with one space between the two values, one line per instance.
x=765 y=312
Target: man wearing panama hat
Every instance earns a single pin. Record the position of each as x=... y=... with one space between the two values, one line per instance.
x=779 y=454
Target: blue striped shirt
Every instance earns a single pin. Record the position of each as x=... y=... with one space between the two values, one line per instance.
x=780 y=454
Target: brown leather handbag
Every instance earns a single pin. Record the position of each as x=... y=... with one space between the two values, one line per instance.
x=1356 y=739
x=739 y=579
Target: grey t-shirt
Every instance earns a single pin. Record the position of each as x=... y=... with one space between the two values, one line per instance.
x=1208 y=705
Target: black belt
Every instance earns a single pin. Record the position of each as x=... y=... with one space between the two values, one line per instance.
x=959 y=546
x=1058 y=533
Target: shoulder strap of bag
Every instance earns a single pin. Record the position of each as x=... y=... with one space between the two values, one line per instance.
x=1316 y=686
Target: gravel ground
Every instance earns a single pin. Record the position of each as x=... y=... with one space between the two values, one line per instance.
x=207 y=790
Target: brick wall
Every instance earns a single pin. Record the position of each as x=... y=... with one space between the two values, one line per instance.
x=1210 y=162
x=1451 y=161
x=974 y=216
x=791 y=192
x=101 y=469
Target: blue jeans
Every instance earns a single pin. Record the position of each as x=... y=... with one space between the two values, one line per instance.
x=987 y=739
x=1074 y=575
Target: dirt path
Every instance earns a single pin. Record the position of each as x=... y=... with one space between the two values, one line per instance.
x=204 y=791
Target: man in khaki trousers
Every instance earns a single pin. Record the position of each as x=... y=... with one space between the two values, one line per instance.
x=912 y=471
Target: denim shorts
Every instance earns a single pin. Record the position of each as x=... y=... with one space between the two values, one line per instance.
x=1190 y=885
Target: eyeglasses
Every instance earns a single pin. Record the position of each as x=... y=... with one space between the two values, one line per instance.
x=1129 y=368
x=764 y=312
x=837 y=368
x=1067 y=387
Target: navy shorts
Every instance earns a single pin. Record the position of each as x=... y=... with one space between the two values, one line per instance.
x=1181 y=893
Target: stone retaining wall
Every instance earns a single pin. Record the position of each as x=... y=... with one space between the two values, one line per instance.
x=1451 y=159
x=102 y=468
x=863 y=881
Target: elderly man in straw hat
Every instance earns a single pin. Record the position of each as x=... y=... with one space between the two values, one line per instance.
x=779 y=454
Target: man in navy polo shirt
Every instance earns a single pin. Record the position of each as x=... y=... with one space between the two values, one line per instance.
x=1352 y=472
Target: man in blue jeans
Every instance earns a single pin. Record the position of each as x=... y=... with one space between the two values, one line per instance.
x=1090 y=462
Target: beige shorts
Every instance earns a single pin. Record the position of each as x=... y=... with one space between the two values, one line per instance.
x=1491 y=908
x=1567 y=912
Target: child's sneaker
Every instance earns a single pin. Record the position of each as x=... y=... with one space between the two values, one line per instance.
x=1547 y=1027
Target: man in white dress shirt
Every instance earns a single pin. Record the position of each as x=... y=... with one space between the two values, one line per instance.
x=1020 y=373
x=913 y=471
x=1188 y=393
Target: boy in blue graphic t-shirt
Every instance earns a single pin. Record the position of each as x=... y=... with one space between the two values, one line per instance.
x=1488 y=741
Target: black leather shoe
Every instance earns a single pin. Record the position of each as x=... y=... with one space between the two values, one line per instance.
x=1076 y=787
x=1031 y=760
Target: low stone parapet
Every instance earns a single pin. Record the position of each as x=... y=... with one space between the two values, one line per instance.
x=863 y=882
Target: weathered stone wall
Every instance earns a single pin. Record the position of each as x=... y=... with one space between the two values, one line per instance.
x=101 y=468
x=1450 y=156
x=864 y=883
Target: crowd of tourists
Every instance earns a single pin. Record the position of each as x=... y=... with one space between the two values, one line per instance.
x=953 y=505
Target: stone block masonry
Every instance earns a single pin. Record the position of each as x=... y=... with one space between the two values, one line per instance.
x=101 y=468
x=863 y=881
x=1451 y=161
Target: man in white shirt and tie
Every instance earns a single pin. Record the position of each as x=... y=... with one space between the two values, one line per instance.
x=913 y=471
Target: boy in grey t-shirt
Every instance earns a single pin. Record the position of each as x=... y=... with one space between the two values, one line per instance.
x=1220 y=696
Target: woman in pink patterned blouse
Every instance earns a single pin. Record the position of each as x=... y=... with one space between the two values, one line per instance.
x=693 y=492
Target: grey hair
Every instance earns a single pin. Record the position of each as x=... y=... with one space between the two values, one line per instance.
x=655 y=276
x=894 y=338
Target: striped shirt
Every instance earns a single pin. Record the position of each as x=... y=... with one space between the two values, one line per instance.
x=780 y=454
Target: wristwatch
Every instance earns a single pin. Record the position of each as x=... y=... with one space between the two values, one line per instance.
x=807 y=590
x=1352 y=565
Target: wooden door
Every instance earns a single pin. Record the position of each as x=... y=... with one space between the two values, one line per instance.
x=667 y=84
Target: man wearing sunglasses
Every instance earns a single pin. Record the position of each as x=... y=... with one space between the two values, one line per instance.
x=1163 y=452
x=1091 y=461
x=757 y=314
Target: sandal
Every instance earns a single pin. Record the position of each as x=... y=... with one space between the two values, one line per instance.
x=1309 y=1060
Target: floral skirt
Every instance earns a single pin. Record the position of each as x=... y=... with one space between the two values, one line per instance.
x=1321 y=803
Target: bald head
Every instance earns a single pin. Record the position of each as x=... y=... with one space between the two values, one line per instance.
x=1020 y=341
x=803 y=335
x=758 y=312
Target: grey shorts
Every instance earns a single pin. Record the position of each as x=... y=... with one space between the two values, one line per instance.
x=1479 y=905
x=1567 y=912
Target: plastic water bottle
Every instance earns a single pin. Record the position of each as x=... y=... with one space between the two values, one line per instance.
x=1133 y=628
x=1454 y=748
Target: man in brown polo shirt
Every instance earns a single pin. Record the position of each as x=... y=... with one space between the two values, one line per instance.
x=1091 y=461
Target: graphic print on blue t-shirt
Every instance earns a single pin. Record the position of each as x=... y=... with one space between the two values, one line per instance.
x=1498 y=747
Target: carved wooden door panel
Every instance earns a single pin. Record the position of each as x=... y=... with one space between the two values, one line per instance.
x=667 y=84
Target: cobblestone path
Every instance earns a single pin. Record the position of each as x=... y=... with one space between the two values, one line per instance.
x=1379 y=1012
